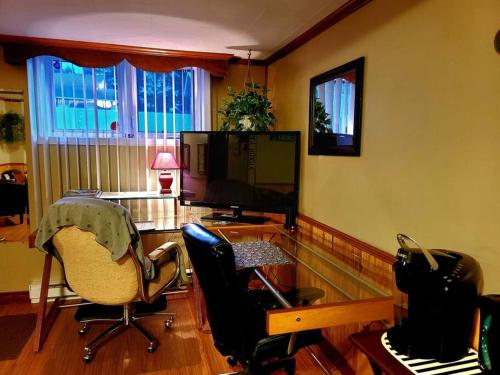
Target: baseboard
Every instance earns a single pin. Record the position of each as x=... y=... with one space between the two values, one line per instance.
x=14 y=297
x=55 y=291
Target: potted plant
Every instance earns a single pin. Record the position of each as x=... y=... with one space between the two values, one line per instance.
x=11 y=127
x=247 y=110
x=321 y=120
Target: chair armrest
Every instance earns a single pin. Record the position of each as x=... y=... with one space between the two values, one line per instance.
x=164 y=253
x=297 y=297
x=166 y=260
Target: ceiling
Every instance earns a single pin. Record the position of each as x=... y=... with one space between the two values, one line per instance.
x=226 y=26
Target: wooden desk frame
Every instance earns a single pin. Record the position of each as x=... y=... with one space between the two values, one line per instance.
x=329 y=315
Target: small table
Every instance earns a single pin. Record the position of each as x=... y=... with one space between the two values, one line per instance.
x=381 y=361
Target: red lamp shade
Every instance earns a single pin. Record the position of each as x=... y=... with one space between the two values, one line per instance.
x=164 y=161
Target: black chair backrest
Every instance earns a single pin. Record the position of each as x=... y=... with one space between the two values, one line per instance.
x=233 y=318
x=14 y=198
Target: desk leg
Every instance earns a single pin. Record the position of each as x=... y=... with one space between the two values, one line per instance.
x=44 y=323
x=200 y=306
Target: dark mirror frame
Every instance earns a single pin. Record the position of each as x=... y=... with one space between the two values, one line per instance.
x=326 y=143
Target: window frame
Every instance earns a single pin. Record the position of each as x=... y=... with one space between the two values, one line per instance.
x=125 y=101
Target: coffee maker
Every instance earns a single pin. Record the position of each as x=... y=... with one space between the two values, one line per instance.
x=441 y=288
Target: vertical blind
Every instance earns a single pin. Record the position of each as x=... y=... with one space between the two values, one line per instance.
x=100 y=128
x=338 y=98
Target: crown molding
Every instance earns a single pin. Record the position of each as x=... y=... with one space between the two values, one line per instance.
x=336 y=16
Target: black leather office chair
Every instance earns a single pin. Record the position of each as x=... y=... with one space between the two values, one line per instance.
x=237 y=315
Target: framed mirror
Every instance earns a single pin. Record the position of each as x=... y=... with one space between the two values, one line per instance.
x=335 y=101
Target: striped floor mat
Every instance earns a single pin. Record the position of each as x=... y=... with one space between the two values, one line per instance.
x=465 y=366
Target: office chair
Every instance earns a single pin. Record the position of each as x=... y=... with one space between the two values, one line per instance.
x=92 y=274
x=237 y=315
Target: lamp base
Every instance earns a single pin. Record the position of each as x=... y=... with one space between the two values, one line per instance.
x=165 y=179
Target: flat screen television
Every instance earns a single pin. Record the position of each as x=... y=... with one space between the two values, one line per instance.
x=251 y=171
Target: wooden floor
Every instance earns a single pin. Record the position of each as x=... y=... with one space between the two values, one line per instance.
x=182 y=349
x=11 y=230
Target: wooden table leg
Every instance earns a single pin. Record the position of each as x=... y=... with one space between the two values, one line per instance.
x=43 y=322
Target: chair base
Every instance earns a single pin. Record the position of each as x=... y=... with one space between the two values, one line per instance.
x=127 y=320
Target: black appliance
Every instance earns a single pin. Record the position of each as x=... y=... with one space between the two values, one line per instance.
x=489 y=337
x=252 y=171
x=442 y=291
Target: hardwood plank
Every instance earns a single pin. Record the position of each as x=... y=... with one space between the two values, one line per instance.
x=12 y=231
x=328 y=315
x=182 y=350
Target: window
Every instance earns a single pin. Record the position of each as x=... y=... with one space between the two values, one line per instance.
x=114 y=102
x=85 y=98
x=164 y=101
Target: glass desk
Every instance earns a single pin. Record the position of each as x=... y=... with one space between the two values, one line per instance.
x=349 y=297
x=145 y=200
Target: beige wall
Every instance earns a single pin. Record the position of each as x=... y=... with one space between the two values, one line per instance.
x=12 y=153
x=12 y=77
x=430 y=154
x=20 y=265
x=234 y=78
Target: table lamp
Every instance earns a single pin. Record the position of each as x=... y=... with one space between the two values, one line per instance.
x=165 y=161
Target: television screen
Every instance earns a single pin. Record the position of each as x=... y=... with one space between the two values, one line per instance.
x=254 y=171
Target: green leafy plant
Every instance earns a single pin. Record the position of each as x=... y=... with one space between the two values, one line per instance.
x=11 y=127
x=321 y=120
x=250 y=109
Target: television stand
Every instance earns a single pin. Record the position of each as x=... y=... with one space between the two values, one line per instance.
x=236 y=216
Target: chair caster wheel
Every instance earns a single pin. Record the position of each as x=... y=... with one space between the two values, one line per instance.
x=152 y=346
x=169 y=323
x=232 y=361
x=83 y=330
x=87 y=358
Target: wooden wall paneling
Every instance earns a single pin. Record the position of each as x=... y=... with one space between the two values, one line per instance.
x=355 y=253
x=364 y=260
